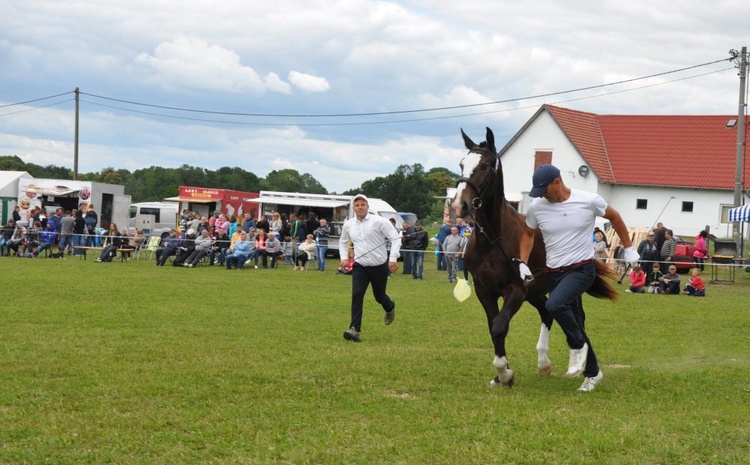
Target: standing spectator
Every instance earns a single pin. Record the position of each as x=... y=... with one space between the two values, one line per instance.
x=17 y=214
x=56 y=220
x=649 y=252
x=288 y=248
x=443 y=232
x=247 y=222
x=701 y=249
x=233 y=225
x=263 y=224
x=667 y=249
x=298 y=229
x=321 y=238
x=91 y=221
x=406 y=246
x=67 y=223
x=653 y=279
x=275 y=225
x=222 y=223
x=637 y=280
x=670 y=282
x=660 y=235
x=79 y=231
x=312 y=223
x=453 y=248
x=418 y=244
x=368 y=234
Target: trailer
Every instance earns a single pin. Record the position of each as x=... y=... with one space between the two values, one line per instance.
x=207 y=200
x=108 y=200
x=334 y=208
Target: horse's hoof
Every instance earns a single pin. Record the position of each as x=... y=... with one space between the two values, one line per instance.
x=545 y=371
x=495 y=382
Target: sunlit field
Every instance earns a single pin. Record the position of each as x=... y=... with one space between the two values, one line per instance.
x=132 y=363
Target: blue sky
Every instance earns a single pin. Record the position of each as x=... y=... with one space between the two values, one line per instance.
x=340 y=58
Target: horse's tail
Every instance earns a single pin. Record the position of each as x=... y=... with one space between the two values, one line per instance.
x=602 y=289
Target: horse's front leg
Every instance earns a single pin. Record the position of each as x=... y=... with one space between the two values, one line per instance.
x=499 y=329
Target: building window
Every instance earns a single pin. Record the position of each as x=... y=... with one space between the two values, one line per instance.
x=641 y=204
x=542 y=157
x=687 y=207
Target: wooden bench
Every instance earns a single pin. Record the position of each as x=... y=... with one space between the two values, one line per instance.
x=84 y=249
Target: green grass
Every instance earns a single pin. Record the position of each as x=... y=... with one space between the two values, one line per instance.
x=130 y=363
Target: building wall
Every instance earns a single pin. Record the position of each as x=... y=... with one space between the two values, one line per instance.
x=544 y=134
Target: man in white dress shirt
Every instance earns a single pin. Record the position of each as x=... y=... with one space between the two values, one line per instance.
x=368 y=234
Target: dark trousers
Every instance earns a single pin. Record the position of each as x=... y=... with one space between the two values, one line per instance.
x=564 y=305
x=407 y=262
x=362 y=277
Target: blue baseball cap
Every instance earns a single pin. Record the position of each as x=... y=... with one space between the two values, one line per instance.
x=543 y=176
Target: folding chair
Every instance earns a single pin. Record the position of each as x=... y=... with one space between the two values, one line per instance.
x=152 y=247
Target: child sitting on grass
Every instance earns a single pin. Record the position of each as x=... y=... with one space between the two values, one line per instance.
x=653 y=279
x=696 y=288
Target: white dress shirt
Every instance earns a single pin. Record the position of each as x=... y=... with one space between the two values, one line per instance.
x=368 y=237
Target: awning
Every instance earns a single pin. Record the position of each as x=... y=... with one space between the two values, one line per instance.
x=189 y=200
x=58 y=191
x=300 y=202
x=740 y=213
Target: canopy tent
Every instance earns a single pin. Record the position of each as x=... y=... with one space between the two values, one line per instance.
x=301 y=202
x=740 y=213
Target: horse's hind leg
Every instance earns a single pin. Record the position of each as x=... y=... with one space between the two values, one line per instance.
x=542 y=346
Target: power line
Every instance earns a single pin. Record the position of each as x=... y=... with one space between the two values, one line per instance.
x=36 y=108
x=397 y=112
x=399 y=121
x=35 y=100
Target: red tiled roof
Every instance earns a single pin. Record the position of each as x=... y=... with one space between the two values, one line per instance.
x=656 y=150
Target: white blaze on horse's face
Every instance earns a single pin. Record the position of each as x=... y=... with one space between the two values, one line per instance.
x=468 y=165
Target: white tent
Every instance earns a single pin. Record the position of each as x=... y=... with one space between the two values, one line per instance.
x=9 y=191
x=740 y=213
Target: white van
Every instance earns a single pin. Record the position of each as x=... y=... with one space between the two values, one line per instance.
x=153 y=217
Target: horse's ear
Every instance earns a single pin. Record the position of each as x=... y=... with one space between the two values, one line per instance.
x=468 y=142
x=490 y=138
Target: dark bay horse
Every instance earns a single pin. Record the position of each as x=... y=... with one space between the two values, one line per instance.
x=492 y=255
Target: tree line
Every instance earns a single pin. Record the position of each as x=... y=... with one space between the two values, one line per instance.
x=409 y=188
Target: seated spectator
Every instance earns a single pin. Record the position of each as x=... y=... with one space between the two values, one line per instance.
x=696 y=288
x=306 y=252
x=260 y=247
x=273 y=250
x=202 y=248
x=219 y=248
x=17 y=240
x=169 y=245
x=33 y=238
x=135 y=241
x=653 y=279
x=637 y=280
x=670 y=282
x=112 y=241
x=185 y=249
x=48 y=237
x=6 y=234
x=349 y=264
x=239 y=252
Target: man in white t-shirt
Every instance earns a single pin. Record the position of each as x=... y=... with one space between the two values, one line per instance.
x=368 y=234
x=566 y=217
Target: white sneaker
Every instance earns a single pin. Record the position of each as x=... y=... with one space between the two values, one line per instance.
x=590 y=383
x=628 y=291
x=577 y=361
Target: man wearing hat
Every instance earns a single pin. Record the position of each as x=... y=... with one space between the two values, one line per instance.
x=566 y=218
x=368 y=234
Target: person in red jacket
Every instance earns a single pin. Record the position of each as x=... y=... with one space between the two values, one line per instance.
x=637 y=280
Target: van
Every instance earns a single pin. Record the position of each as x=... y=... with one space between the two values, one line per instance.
x=154 y=218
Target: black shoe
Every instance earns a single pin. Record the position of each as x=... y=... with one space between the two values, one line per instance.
x=351 y=334
x=390 y=316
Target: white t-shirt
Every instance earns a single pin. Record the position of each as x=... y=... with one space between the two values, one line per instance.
x=567 y=226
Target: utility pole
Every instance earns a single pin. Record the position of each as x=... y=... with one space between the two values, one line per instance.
x=75 y=142
x=740 y=58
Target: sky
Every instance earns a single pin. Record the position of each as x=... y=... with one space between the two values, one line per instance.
x=343 y=90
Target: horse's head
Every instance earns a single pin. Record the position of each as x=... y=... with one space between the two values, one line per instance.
x=481 y=177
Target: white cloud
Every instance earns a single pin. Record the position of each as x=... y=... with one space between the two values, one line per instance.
x=308 y=82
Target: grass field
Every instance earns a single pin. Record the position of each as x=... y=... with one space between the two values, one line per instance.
x=130 y=363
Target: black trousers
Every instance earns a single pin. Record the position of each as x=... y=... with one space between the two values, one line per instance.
x=362 y=277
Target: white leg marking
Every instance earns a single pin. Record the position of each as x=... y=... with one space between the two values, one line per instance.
x=504 y=374
x=542 y=348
